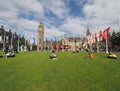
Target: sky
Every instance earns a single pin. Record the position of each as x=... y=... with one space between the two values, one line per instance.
x=59 y=17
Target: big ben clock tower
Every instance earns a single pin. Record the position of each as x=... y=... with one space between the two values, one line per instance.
x=40 y=36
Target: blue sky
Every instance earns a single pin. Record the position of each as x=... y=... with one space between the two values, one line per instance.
x=70 y=17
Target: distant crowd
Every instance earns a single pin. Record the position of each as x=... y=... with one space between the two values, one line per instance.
x=10 y=52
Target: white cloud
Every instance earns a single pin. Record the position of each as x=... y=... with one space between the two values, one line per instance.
x=98 y=15
x=53 y=33
x=102 y=13
x=27 y=24
x=57 y=7
x=75 y=26
x=8 y=15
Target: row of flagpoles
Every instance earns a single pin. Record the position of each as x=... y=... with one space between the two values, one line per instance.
x=99 y=37
x=91 y=38
x=5 y=40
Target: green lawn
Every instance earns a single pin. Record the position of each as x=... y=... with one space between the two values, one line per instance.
x=34 y=71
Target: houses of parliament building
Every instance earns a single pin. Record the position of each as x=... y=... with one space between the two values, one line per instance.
x=71 y=42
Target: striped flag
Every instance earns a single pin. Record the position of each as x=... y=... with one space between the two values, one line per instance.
x=106 y=33
x=1 y=39
x=92 y=38
x=89 y=39
x=100 y=36
x=28 y=39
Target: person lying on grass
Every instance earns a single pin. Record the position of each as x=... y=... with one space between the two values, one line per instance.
x=10 y=54
x=112 y=55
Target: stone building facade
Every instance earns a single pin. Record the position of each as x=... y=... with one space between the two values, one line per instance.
x=75 y=42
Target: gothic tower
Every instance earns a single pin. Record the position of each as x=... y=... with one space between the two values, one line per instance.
x=88 y=32
x=40 y=36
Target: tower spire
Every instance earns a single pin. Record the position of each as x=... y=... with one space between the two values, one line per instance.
x=40 y=35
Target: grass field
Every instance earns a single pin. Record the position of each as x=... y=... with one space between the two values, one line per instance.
x=34 y=71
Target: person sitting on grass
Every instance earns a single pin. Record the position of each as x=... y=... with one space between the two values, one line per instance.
x=76 y=50
x=53 y=55
x=90 y=56
x=112 y=55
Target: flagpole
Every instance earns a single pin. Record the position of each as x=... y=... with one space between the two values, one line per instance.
x=97 y=43
x=51 y=45
x=91 y=47
x=105 y=36
x=106 y=46
x=90 y=43
x=18 y=42
x=97 y=47
x=25 y=44
x=38 y=45
x=44 y=45
x=11 y=42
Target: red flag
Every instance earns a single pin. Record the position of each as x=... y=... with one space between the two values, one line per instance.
x=28 y=39
x=99 y=36
x=105 y=33
x=93 y=38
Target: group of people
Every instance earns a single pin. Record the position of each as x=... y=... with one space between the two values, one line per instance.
x=54 y=56
x=90 y=55
x=10 y=53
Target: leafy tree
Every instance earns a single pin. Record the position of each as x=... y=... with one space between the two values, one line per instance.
x=22 y=41
x=115 y=39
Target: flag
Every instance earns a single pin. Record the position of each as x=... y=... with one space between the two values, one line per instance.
x=33 y=40
x=88 y=39
x=92 y=38
x=100 y=36
x=7 y=39
x=0 y=38
x=105 y=33
x=51 y=42
x=28 y=39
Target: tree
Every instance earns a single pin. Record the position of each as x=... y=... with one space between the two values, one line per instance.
x=115 y=39
x=22 y=41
